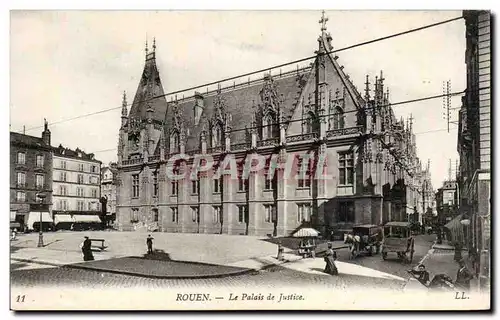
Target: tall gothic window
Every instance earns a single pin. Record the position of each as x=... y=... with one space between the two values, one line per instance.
x=135 y=186
x=304 y=176
x=242 y=181
x=175 y=142
x=346 y=168
x=155 y=184
x=269 y=127
x=338 y=118
x=308 y=123
x=216 y=135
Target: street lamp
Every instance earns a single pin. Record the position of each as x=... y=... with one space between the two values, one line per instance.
x=40 y=197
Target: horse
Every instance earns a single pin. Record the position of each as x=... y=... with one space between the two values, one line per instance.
x=353 y=241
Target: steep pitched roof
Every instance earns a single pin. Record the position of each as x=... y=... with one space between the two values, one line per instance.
x=150 y=86
x=241 y=103
x=27 y=140
x=351 y=89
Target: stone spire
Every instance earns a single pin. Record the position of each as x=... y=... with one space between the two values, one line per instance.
x=124 y=109
x=367 y=89
x=150 y=92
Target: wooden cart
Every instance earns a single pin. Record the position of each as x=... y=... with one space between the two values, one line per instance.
x=398 y=239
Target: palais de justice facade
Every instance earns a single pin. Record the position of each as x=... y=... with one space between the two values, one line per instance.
x=314 y=110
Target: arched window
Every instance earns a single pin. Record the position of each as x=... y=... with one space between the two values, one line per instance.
x=338 y=118
x=331 y=111
x=175 y=142
x=269 y=127
x=216 y=135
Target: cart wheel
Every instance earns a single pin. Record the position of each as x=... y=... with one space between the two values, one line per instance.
x=384 y=255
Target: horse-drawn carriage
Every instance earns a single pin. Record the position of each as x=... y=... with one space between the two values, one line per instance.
x=365 y=238
x=398 y=238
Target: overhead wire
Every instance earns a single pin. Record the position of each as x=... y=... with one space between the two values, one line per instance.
x=259 y=71
x=352 y=111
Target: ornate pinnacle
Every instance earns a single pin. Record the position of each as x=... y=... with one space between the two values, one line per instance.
x=154 y=44
x=367 y=89
x=323 y=21
x=124 y=104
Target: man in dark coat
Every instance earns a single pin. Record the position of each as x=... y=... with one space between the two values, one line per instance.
x=149 y=242
x=421 y=274
x=464 y=276
x=87 y=250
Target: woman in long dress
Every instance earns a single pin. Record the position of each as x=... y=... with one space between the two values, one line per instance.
x=330 y=258
x=87 y=250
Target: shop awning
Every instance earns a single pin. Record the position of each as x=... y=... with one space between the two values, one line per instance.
x=35 y=217
x=81 y=218
x=15 y=225
x=306 y=232
x=63 y=218
x=456 y=229
x=13 y=215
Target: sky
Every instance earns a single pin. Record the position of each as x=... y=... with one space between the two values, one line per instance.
x=64 y=64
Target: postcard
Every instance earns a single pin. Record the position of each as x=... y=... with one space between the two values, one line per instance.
x=250 y=160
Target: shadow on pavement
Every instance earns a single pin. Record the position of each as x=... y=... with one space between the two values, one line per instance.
x=157 y=254
x=159 y=264
x=48 y=244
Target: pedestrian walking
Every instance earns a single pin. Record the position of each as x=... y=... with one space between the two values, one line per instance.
x=149 y=242
x=14 y=234
x=87 y=249
x=280 y=252
x=330 y=258
x=464 y=276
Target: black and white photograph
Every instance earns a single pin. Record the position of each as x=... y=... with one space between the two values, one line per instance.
x=250 y=160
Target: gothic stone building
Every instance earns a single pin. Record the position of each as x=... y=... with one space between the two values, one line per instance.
x=315 y=111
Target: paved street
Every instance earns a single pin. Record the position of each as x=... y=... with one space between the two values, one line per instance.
x=208 y=248
x=392 y=265
x=273 y=277
x=364 y=271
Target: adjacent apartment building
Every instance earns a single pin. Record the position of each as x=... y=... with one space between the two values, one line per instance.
x=447 y=202
x=76 y=184
x=313 y=117
x=30 y=180
x=474 y=137
x=108 y=190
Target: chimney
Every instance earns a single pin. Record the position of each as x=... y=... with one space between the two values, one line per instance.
x=46 y=132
